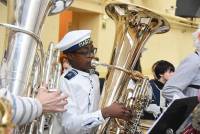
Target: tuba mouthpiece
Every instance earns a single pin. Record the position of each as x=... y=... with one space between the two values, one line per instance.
x=94 y=63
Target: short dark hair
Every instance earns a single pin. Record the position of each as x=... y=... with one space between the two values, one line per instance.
x=162 y=66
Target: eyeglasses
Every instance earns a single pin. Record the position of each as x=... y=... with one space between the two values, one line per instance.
x=88 y=52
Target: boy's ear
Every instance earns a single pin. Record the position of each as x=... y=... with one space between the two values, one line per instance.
x=161 y=75
x=69 y=56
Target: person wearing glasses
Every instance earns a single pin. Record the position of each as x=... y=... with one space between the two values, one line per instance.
x=82 y=86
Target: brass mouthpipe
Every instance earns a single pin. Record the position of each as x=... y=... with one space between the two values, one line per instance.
x=134 y=74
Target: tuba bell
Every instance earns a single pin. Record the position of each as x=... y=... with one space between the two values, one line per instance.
x=134 y=25
x=23 y=59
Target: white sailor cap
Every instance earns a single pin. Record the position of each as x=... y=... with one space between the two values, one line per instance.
x=74 y=40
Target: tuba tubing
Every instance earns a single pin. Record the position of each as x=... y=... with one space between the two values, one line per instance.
x=135 y=75
x=52 y=73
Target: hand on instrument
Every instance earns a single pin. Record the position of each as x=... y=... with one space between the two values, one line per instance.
x=52 y=101
x=117 y=110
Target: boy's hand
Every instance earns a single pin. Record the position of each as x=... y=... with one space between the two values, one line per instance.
x=117 y=110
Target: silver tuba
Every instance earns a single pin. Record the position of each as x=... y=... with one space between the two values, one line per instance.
x=52 y=73
x=23 y=60
x=134 y=25
x=25 y=20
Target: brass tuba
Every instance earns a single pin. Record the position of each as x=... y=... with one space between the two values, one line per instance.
x=5 y=116
x=23 y=58
x=134 y=25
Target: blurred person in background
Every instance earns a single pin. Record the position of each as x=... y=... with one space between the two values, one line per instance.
x=162 y=71
x=186 y=80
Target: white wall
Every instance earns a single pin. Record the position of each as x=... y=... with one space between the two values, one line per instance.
x=3 y=17
x=172 y=46
x=50 y=31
